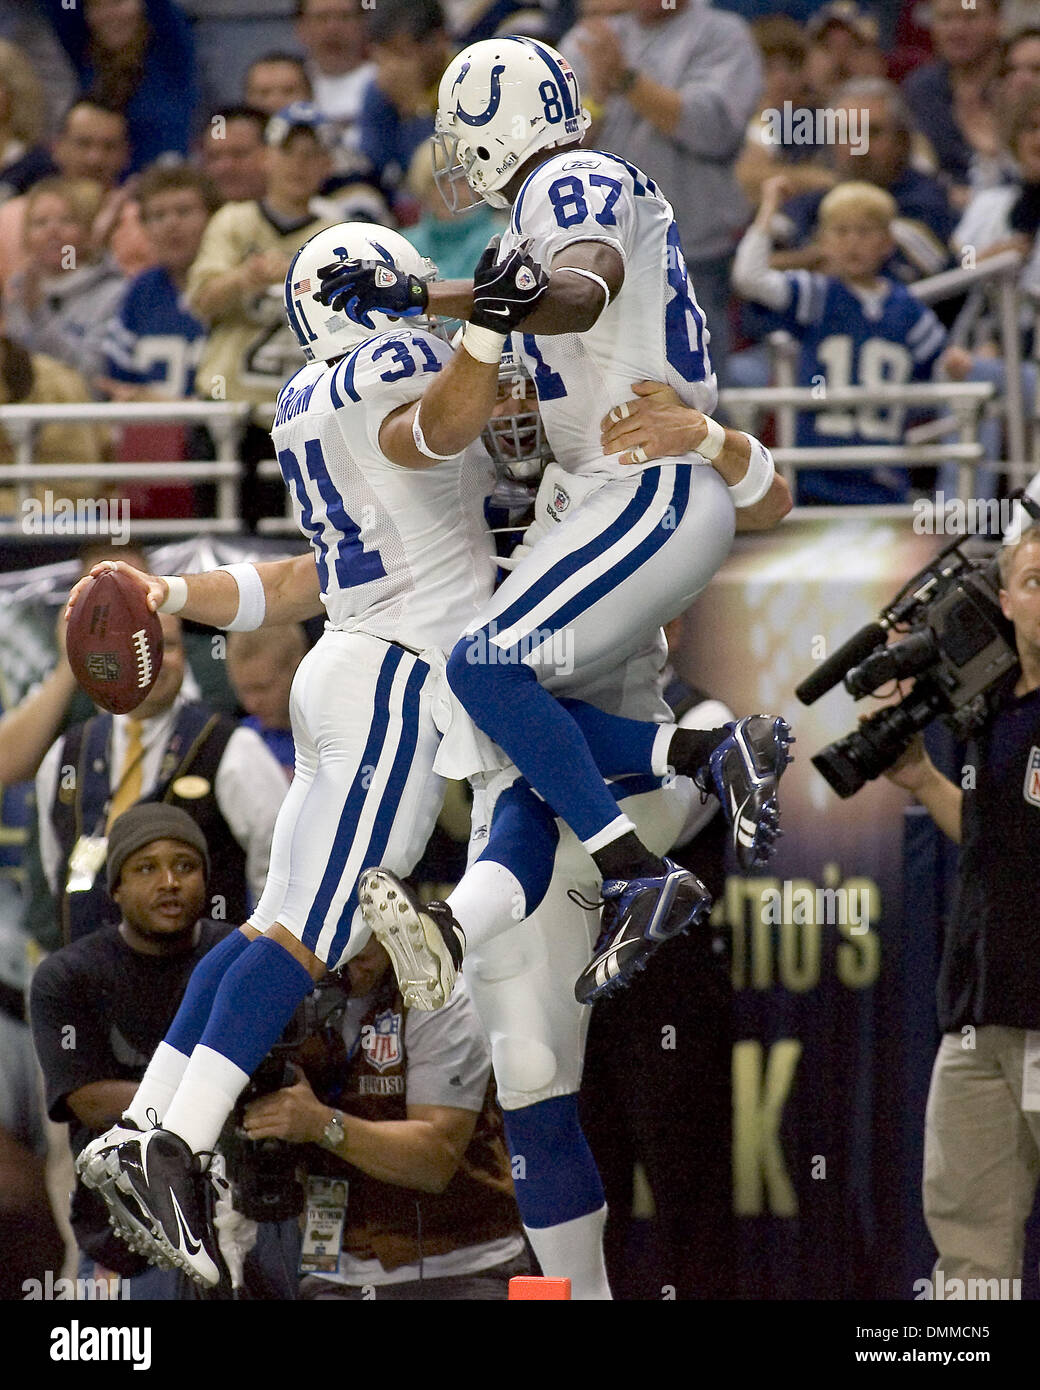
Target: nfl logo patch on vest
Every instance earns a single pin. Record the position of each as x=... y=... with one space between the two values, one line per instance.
x=381 y=1041
x=1031 y=790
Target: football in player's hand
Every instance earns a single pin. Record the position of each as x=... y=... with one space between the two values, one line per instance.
x=114 y=642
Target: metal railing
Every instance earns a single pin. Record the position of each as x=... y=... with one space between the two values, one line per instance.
x=223 y=419
x=965 y=399
x=927 y=444
x=997 y=276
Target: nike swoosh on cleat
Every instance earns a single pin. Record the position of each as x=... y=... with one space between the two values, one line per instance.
x=192 y=1245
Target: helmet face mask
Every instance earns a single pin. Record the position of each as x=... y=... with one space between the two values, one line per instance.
x=322 y=333
x=451 y=174
x=501 y=101
x=514 y=435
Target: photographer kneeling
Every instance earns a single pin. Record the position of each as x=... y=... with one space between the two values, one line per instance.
x=410 y=1195
x=982 y=1128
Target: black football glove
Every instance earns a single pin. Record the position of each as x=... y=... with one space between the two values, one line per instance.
x=504 y=293
x=355 y=288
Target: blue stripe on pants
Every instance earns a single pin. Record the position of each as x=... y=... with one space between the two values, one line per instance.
x=503 y=695
x=389 y=802
x=355 y=800
x=570 y=564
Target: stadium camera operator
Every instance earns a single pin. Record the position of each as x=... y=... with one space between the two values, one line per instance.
x=982 y=1127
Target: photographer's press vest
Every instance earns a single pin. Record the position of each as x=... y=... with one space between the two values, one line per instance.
x=398 y=1225
x=186 y=779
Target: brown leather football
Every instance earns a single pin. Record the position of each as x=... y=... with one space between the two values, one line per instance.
x=114 y=642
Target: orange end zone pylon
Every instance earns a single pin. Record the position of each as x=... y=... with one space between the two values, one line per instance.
x=527 y=1286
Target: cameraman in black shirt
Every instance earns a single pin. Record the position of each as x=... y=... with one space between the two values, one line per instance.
x=982 y=1127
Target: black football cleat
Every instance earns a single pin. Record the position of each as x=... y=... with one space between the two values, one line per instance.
x=745 y=769
x=155 y=1178
x=639 y=915
x=91 y=1161
x=97 y=1165
x=423 y=940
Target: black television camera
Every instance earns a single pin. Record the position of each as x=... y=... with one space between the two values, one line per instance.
x=954 y=641
x=263 y=1171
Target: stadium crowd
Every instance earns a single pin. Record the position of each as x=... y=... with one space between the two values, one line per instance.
x=160 y=162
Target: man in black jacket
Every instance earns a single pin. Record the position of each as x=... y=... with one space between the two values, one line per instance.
x=982 y=1127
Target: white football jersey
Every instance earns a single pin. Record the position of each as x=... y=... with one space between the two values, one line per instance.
x=402 y=553
x=654 y=329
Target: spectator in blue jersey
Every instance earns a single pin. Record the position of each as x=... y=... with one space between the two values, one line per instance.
x=260 y=668
x=138 y=56
x=410 y=49
x=855 y=326
x=152 y=343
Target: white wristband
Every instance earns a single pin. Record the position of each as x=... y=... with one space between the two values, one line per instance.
x=420 y=439
x=483 y=343
x=712 y=444
x=252 y=601
x=176 y=593
x=590 y=275
x=758 y=479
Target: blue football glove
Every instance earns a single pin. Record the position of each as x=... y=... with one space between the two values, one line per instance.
x=356 y=288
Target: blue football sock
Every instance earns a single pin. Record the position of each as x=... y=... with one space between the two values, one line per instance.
x=193 y=1015
x=558 y=1180
x=620 y=746
x=523 y=838
x=540 y=736
x=256 y=999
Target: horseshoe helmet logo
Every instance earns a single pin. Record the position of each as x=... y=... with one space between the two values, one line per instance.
x=493 y=104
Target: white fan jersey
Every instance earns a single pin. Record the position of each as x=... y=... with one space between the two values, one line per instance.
x=654 y=329
x=402 y=553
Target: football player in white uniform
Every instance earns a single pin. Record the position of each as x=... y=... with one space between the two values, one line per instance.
x=640 y=539
x=519 y=973
x=372 y=437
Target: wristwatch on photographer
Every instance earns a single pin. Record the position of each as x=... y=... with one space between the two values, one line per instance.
x=334 y=1133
